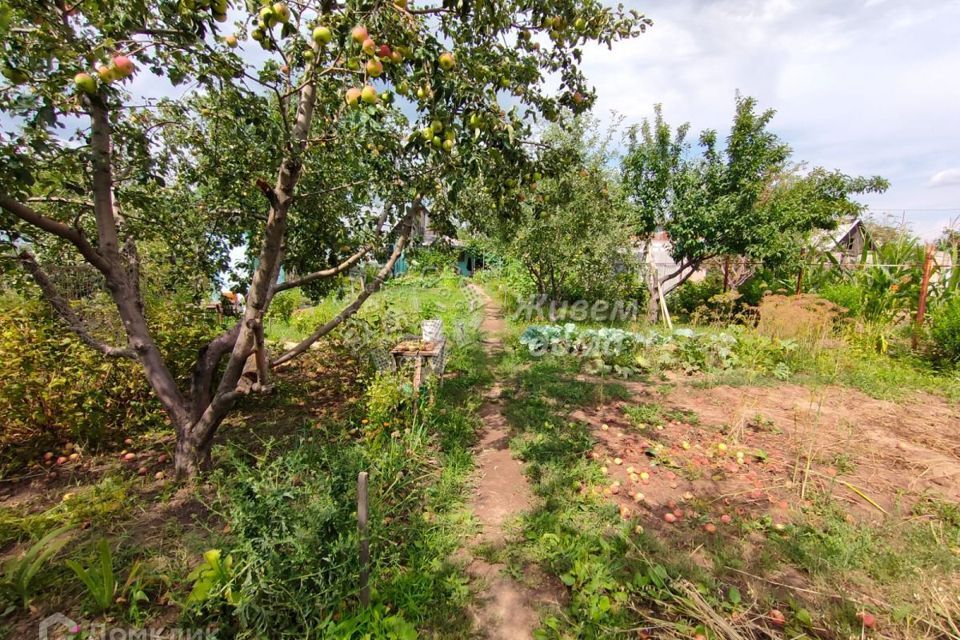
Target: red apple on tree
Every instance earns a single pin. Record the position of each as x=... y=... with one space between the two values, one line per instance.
x=384 y=51
x=359 y=34
x=123 y=65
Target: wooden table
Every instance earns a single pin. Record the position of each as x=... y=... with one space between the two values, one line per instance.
x=419 y=351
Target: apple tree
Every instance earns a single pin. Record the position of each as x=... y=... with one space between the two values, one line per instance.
x=571 y=229
x=744 y=199
x=312 y=130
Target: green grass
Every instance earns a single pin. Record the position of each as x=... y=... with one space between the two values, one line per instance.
x=616 y=576
x=281 y=505
x=645 y=414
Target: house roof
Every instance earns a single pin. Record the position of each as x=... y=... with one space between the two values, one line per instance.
x=830 y=240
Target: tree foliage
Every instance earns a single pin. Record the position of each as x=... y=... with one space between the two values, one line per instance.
x=744 y=198
x=310 y=131
x=572 y=229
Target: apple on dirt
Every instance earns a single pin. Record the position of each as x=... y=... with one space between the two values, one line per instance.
x=776 y=617
x=867 y=618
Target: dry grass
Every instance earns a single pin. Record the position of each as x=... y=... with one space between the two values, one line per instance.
x=807 y=318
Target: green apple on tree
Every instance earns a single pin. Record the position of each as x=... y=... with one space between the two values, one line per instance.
x=374 y=68
x=369 y=95
x=322 y=35
x=85 y=83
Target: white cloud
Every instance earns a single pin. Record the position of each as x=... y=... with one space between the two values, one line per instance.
x=865 y=86
x=945 y=178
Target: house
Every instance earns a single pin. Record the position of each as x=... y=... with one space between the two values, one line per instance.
x=846 y=243
x=426 y=235
x=658 y=253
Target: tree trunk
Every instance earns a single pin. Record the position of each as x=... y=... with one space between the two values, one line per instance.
x=191 y=457
x=653 y=305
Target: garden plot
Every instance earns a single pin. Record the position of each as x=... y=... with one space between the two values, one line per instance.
x=804 y=492
x=757 y=447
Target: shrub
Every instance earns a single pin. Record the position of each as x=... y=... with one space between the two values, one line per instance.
x=385 y=396
x=847 y=295
x=436 y=260
x=945 y=331
x=57 y=390
x=806 y=318
x=625 y=353
x=691 y=296
x=284 y=304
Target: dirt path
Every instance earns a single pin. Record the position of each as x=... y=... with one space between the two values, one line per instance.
x=506 y=609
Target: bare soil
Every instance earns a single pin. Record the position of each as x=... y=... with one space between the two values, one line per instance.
x=684 y=480
x=506 y=609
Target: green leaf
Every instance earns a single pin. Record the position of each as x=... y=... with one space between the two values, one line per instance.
x=734 y=595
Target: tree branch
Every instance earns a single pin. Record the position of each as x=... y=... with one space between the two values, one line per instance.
x=63 y=309
x=57 y=228
x=340 y=268
x=352 y=308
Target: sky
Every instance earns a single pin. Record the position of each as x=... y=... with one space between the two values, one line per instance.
x=870 y=87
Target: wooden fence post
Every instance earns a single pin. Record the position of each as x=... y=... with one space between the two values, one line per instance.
x=924 y=287
x=800 y=276
x=362 y=503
